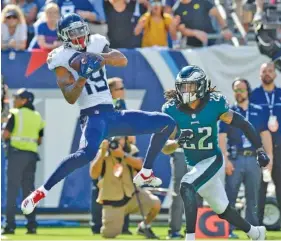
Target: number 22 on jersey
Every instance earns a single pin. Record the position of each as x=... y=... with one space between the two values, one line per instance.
x=201 y=145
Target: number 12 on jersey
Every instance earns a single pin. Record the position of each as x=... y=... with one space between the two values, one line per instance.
x=99 y=82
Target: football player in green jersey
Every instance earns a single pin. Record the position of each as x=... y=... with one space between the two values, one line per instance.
x=196 y=108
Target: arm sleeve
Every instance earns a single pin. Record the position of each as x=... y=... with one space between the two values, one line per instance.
x=223 y=127
x=41 y=133
x=248 y=129
x=223 y=106
x=263 y=121
x=11 y=123
x=23 y=32
x=40 y=30
x=168 y=19
x=99 y=11
x=209 y=5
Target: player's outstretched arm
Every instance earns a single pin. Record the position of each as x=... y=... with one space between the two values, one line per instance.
x=236 y=120
x=114 y=57
x=70 y=88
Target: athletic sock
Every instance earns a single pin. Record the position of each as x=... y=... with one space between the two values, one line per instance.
x=157 y=141
x=146 y=172
x=68 y=165
x=42 y=189
x=253 y=233
x=190 y=236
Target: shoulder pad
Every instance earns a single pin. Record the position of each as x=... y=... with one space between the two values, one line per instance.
x=98 y=42
x=58 y=57
x=216 y=96
x=168 y=105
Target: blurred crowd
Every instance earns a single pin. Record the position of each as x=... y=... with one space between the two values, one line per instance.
x=31 y=24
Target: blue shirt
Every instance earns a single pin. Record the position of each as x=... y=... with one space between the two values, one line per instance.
x=50 y=35
x=258 y=97
x=235 y=136
x=71 y=6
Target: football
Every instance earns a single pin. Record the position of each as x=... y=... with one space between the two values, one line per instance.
x=83 y=58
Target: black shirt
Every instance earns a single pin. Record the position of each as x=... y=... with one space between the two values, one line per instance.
x=121 y=26
x=195 y=15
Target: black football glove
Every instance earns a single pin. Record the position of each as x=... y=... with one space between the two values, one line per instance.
x=185 y=137
x=262 y=158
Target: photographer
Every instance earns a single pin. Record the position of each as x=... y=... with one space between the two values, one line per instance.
x=116 y=162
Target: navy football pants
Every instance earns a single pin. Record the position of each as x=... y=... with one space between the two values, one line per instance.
x=101 y=122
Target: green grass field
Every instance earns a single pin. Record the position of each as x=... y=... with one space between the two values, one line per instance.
x=84 y=233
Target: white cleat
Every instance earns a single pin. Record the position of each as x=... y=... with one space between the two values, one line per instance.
x=29 y=204
x=262 y=233
x=151 y=180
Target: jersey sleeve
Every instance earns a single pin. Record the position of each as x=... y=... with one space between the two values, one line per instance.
x=99 y=41
x=222 y=105
x=263 y=120
x=165 y=108
x=223 y=127
x=54 y=59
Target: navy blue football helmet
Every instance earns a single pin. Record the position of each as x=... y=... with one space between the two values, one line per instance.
x=191 y=84
x=73 y=31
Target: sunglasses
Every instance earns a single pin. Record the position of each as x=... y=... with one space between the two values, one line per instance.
x=12 y=17
x=121 y=88
x=156 y=4
x=240 y=91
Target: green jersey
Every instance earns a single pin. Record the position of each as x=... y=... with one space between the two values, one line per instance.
x=202 y=122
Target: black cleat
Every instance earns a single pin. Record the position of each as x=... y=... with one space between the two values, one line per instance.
x=31 y=231
x=8 y=231
x=127 y=232
x=147 y=232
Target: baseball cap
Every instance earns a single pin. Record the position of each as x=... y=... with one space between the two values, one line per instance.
x=11 y=13
x=24 y=94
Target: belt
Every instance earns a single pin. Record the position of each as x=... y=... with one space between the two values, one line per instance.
x=94 y=110
x=246 y=153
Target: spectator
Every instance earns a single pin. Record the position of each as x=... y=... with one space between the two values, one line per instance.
x=268 y=95
x=117 y=91
x=241 y=164
x=196 y=22
x=29 y=9
x=156 y=25
x=116 y=162
x=4 y=101
x=14 y=31
x=168 y=6
x=46 y=35
x=121 y=22
x=91 y=10
x=24 y=130
x=245 y=16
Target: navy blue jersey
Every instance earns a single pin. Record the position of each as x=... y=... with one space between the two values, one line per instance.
x=235 y=136
x=258 y=97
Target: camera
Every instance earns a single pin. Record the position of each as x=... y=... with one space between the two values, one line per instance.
x=113 y=144
x=268 y=44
